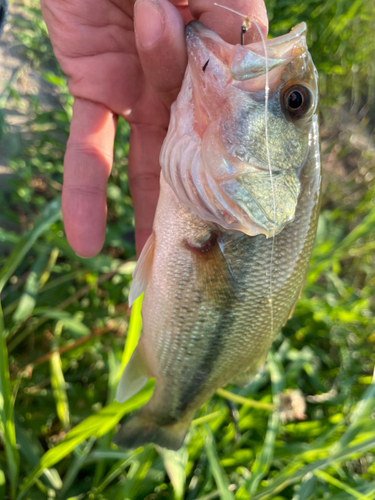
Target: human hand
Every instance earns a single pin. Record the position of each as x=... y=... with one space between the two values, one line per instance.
x=125 y=59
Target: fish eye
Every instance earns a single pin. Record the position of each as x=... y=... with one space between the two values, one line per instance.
x=296 y=101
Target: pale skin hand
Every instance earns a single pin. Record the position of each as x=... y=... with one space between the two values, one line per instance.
x=125 y=59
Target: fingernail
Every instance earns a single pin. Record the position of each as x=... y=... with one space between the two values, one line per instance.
x=149 y=22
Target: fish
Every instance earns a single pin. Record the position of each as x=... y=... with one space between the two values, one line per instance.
x=233 y=231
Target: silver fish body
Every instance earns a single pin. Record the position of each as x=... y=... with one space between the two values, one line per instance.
x=233 y=231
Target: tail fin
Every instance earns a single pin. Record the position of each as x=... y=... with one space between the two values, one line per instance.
x=142 y=429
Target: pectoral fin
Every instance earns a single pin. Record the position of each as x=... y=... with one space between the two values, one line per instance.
x=142 y=270
x=215 y=275
x=133 y=378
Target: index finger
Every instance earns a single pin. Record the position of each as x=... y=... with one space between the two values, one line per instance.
x=87 y=165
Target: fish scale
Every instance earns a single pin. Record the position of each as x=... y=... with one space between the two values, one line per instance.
x=218 y=285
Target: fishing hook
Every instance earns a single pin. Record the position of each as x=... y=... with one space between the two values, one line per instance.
x=243 y=33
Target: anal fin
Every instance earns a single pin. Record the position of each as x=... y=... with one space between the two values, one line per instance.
x=142 y=270
x=133 y=378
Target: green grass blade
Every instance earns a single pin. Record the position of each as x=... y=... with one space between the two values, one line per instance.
x=220 y=477
x=361 y=418
x=107 y=454
x=49 y=267
x=75 y=466
x=175 y=464
x=244 y=401
x=208 y=417
x=364 y=228
x=49 y=215
x=58 y=381
x=94 y=426
x=31 y=451
x=264 y=460
x=116 y=470
x=307 y=489
x=59 y=390
x=8 y=236
x=134 y=331
x=27 y=301
x=105 y=441
x=367 y=489
x=210 y=496
x=70 y=322
x=339 y=484
x=7 y=427
x=339 y=23
x=296 y=471
x=140 y=466
x=132 y=337
x=2 y=485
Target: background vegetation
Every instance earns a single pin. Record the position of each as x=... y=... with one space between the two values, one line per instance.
x=65 y=329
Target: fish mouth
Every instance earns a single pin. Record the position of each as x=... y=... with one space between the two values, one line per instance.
x=245 y=61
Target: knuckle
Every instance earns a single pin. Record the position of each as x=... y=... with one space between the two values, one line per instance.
x=93 y=150
x=84 y=191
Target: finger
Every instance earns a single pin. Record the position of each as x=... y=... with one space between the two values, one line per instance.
x=183 y=8
x=144 y=173
x=227 y=24
x=87 y=164
x=160 y=37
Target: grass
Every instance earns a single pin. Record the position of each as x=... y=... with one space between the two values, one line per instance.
x=65 y=330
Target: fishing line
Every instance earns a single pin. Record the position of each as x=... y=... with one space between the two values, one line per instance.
x=266 y=98
x=245 y=26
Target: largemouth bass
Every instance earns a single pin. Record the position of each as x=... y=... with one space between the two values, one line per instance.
x=234 y=227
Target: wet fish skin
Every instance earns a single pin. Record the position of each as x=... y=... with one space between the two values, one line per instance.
x=216 y=296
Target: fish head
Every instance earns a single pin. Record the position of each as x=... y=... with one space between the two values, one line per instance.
x=241 y=130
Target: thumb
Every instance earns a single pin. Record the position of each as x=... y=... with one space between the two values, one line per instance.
x=160 y=37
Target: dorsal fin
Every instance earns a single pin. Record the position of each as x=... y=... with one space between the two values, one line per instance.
x=142 y=270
